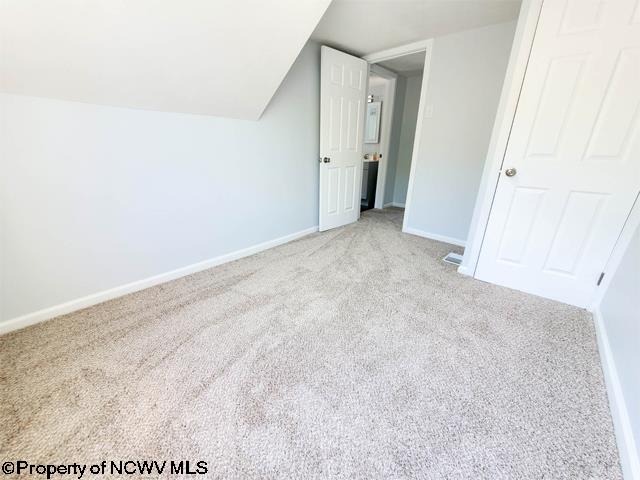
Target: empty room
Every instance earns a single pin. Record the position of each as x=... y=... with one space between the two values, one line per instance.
x=328 y=239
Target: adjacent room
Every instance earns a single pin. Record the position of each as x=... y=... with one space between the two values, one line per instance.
x=361 y=239
x=409 y=69
x=390 y=127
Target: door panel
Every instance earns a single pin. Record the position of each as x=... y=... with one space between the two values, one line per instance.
x=577 y=224
x=342 y=99
x=575 y=143
x=354 y=125
x=523 y=212
x=349 y=188
x=333 y=185
x=556 y=99
x=618 y=119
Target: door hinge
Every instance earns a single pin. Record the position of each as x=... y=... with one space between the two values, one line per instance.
x=600 y=279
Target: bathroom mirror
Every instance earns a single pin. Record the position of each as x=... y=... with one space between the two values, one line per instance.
x=372 y=123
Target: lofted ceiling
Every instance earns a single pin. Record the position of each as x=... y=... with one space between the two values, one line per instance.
x=215 y=57
x=362 y=27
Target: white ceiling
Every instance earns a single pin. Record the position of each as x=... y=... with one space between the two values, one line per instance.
x=214 y=57
x=362 y=27
x=411 y=63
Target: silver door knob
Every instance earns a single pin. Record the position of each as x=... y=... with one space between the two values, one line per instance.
x=510 y=172
x=326 y=159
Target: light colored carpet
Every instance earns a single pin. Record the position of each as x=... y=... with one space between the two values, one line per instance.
x=355 y=353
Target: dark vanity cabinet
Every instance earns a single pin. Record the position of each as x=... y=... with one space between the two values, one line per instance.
x=369 y=181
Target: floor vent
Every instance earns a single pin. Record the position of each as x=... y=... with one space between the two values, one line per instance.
x=454 y=258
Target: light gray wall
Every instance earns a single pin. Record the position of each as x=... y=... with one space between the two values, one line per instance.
x=95 y=197
x=407 y=137
x=620 y=311
x=465 y=80
x=394 y=139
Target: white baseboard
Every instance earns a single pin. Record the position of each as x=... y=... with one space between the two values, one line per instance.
x=464 y=270
x=393 y=204
x=99 y=297
x=621 y=422
x=435 y=236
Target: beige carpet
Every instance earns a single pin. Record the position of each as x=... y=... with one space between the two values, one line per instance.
x=353 y=354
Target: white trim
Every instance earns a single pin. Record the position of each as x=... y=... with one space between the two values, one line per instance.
x=514 y=77
x=462 y=270
x=621 y=421
x=394 y=204
x=418 y=135
x=385 y=130
x=435 y=236
x=400 y=51
x=95 y=298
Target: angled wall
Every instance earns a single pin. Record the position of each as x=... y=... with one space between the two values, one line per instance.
x=224 y=58
x=95 y=197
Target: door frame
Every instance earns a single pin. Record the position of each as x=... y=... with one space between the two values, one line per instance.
x=425 y=46
x=513 y=80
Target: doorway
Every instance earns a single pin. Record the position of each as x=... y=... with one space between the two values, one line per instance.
x=380 y=95
x=393 y=99
x=409 y=72
x=434 y=130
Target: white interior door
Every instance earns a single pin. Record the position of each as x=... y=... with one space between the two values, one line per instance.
x=575 y=148
x=343 y=92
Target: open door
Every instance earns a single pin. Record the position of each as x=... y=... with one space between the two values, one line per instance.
x=571 y=172
x=343 y=92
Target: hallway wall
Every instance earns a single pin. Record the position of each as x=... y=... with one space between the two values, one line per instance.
x=405 y=116
x=407 y=137
x=464 y=85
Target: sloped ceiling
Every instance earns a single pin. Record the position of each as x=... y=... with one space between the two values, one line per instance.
x=215 y=57
x=362 y=27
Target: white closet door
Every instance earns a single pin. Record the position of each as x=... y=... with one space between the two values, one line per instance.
x=573 y=153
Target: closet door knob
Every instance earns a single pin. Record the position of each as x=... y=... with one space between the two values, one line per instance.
x=510 y=172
